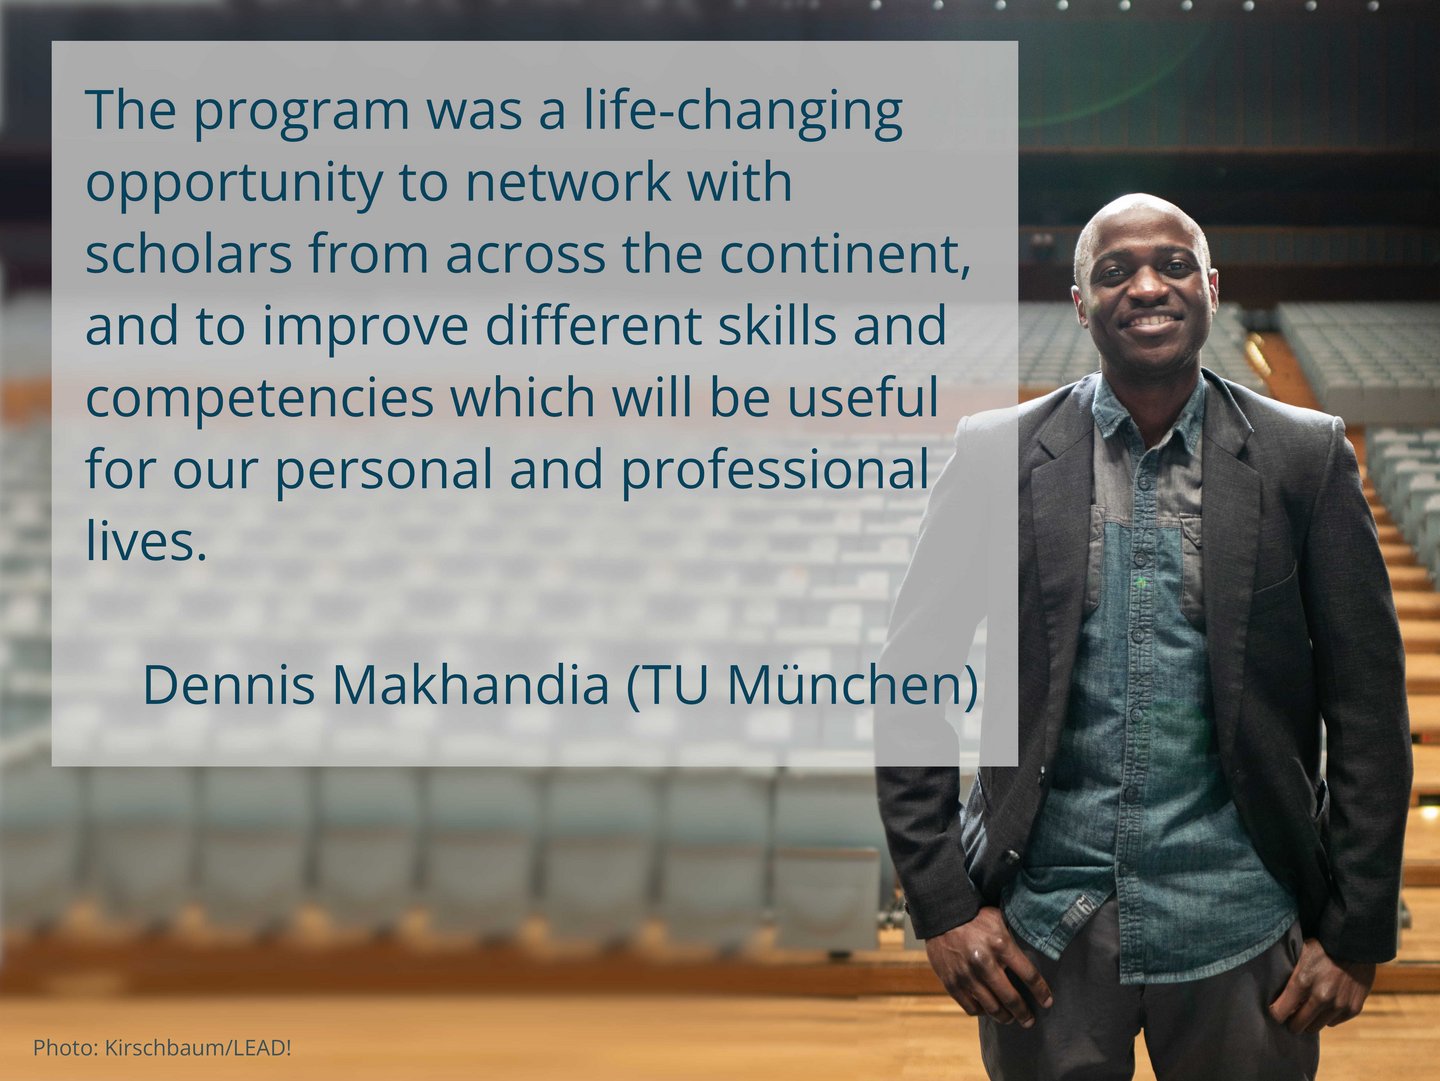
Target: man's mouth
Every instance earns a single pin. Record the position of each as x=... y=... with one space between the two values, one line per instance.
x=1153 y=320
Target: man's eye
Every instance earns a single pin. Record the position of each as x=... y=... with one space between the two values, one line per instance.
x=1111 y=273
x=1177 y=266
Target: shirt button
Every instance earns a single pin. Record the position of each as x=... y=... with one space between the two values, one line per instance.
x=1144 y=482
x=1142 y=558
x=1012 y=857
x=1137 y=714
x=1131 y=793
x=1137 y=635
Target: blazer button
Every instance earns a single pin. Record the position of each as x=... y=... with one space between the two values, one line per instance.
x=1012 y=857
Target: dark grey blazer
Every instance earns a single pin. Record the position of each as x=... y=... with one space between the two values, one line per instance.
x=1300 y=626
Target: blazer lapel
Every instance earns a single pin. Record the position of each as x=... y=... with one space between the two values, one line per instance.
x=1060 y=496
x=1230 y=510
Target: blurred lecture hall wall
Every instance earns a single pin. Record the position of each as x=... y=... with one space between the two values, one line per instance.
x=666 y=922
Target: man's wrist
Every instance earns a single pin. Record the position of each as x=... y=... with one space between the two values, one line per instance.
x=931 y=920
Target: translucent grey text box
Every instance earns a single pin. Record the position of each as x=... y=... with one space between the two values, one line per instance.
x=321 y=590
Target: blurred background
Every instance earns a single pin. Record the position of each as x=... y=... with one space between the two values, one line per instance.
x=673 y=922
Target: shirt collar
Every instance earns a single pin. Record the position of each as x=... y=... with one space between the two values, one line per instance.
x=1109 y=415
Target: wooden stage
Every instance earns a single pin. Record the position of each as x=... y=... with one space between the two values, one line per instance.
x=578 y=1038
x=188 y=964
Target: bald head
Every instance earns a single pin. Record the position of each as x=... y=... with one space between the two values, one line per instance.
x=1146 y=292
x=1085 y=245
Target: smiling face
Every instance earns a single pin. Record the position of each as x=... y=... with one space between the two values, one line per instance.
x=1145 y=291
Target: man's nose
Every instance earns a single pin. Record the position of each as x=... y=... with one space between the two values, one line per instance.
x=1148 y=284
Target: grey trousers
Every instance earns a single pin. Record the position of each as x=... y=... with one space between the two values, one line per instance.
x=1202 y=1030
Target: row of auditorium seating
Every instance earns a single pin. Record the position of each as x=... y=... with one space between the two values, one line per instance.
x=1404 y=466
x=1371 y=363
x=1328 y=246
x=714 y=854
x=1055 y=349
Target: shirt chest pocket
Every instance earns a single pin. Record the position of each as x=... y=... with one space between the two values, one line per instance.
x=1192 y=591
x=1095 y=567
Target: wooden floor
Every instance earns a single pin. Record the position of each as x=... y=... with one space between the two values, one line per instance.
x=896 y=1038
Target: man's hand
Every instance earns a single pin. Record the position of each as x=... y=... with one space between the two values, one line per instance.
x=1322 y=991
x=974 y=962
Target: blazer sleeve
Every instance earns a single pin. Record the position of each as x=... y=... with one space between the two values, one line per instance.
x=1360 y=679
x=917 y=751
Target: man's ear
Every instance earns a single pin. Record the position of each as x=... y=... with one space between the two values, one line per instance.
x=1079 y=299
x=1214 y=289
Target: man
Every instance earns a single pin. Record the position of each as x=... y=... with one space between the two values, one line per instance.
x=1200 y=585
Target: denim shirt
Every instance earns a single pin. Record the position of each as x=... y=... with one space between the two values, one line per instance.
x=1139 y=807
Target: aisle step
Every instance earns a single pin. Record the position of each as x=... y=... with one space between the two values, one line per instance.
x=1417 y=604
x=1420 y=635
x=1398 y=555
x=1422 y=847
x=1421 y=942
x=1427 y=774
x=1422 y=673
x=1425 y=717
x=1409 y=578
